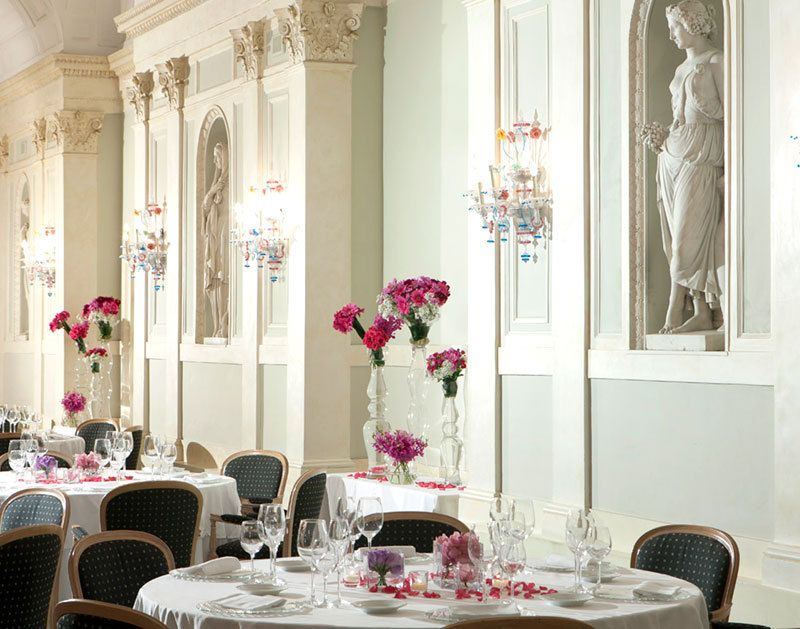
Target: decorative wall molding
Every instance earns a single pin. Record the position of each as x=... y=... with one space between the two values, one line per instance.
x=248 y=47
x=139 y=94
x=148 y=15
x=52 y=68
x=173 y=77
x=39 y=130
x=317 y=30
x=4 y=150
x=75 y=131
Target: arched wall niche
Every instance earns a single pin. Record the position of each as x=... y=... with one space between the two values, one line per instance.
x=213 y=268
x=653 y=59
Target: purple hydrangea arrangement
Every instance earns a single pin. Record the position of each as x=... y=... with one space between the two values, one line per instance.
x=384 y=562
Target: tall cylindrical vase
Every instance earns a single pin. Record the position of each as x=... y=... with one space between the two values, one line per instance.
x=418 y=384
x=451 y=448
x=99 y=398
x=377 y=422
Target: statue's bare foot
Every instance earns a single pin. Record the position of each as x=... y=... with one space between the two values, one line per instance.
x=696 y=323
x=674 y=318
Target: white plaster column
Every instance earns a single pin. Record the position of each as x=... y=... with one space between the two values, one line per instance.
x=483 y=385
x=319 y=37
x=173 y=76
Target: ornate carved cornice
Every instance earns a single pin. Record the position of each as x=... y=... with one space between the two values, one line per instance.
x=52 y=68
x=75 y=131
x=173 y=77
x=3 y=152
x=39 y=130
x=248 y=47
x=148 y=15
x=139 y=94
x=320 y=30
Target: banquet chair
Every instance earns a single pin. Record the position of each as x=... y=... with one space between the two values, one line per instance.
x=93 y=429
x=538 y=622
x=63 y=460
x=29 y=507
x=704 y=556
x=170 y=510
x=82 y=614
x=414 y=528
x=5 y=439
x=29 y=559
x=133 y=460
x=260 y=477
x=305 y=502
x=112 y=566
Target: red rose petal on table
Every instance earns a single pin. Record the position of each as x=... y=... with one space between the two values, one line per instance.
x=431 y=595
x=389 y=589
x=373 y=589
x=399 y=595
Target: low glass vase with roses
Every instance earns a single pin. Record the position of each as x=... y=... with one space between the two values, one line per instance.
x=402 y=448
x=453 y=566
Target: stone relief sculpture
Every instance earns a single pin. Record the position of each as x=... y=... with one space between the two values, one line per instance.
x=215 y=229
x=689 y=174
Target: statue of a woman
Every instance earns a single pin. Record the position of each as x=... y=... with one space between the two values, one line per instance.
x=689 y=177
x=215 y=217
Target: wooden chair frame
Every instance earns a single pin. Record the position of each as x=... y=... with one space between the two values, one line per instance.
x=141 y=443
x=107 y=611
x=89 y=422
x=37 y=491
x=287 y=539
x=85 y=543
x=427 y=516
x=538 y=622
x=158 y=484
x=273 y=453
x=724 y=611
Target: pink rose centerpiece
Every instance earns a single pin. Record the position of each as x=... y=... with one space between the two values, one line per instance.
x=402 y=448
x=73 y=404
x=88 y=464
x=451 y=554
x=446 y=367
x=416 y=301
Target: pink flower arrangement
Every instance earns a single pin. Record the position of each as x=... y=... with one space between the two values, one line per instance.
x=73 y=402
x=455 y=556
x=400 y=446
x=87 y=461
x=415 y=300
x=104 y=311
x=375 y=338
x=345 y=319
x=94 y=357
x=60 y=321
x=446 y=366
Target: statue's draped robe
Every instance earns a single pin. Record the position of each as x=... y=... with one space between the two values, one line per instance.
x=688 y=182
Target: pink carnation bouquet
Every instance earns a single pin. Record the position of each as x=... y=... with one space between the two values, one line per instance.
x=77 y=332
x=104 y=312
x=73 y=403
x=416 y=301
x=375 y=337
x=94 y=357
x=446 y=367
x=402 y=448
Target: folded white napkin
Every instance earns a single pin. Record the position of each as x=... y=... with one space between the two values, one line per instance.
x=654 y=589
x=250 y=603
x=406 y=551
x=559 y=561
x=54 y=436
x=66 y=431
x=221 y=565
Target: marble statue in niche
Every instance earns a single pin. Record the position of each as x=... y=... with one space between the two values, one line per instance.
x=689 y=173
x=24 y=235
x=214 y=233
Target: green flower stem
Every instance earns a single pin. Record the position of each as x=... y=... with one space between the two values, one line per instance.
x=419 y=331
x=376 y=357
x=358 y=328
x=81 y=345
x=95 y=367
x=105 y=330
x=450 y=387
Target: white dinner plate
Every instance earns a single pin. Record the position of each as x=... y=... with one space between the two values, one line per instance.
x=567 y=599
x=469 y=610
x=262 y=589
x=379 y=607
x=293 y=564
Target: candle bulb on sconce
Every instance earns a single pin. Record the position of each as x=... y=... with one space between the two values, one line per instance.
x=39 y=259
x=148 y=251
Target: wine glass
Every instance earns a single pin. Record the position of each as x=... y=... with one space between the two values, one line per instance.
x=327 y=562
x=340 y=539
x=501 y=509
x=127 y=438
x=312 y=544
x=117 y=456
x=42 y=442
x=102 y=448
x=369 y=518
x=525 y=513
x=150 y=453
x=31 y=450
x=598 y=548
x=169 y=452
x=481 y=560
x=273 y=520
x=347 y=508
x=513 y=561
x=577 y=530
x=250 y=534
x=17 y=456
x=3 y=411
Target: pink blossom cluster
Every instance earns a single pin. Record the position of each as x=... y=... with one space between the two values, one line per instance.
x=96 y=352
x=400 y=446
x=414 y=299
x=381 y=331
x=447 y=364
x=454 y=548
x=376 y=337
x=60 y=321
x=87 y=461
x=101 y=307
x=73 y=402
x=79 y=331
x=343 y=319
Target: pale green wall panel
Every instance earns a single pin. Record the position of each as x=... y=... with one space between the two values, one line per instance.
x=17 y=381
x=158 y=397
x=212 y=406
x=273 y=382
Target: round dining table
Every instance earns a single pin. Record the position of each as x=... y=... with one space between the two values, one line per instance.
x=219 y=496
x=175 y=601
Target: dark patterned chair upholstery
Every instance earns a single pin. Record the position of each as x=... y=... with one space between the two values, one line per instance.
x=170 y=510
x=304 y=503
x=111 y=567
x=414 y=528
x=704 y=556
x=30 y=507
x=93 y=429
x=5 y=439
x=260 y=476
x=83 y=614
x=28 y=566
x=134 y=458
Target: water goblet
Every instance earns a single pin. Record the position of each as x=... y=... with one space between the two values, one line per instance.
x=150 y=453
x=326 y=564
x=102 y=448
x=577 y=529
x=369 y=518
x=273 y=520
x=312 y=544
x=513 y=561
x=169 y=452
x=340 y=539
x=17 y=456
x=250 y=534
x=127 y=438
x=598 y=548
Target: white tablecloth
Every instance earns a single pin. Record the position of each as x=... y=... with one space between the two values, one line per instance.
x=85 y=499
x=393 y=497
x=175 y=601
x=66 y=444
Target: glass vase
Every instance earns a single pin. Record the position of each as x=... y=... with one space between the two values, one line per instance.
x=99 y=398
x=377 y=422
x=418 y=384
x=451 y=447
x=402 y=474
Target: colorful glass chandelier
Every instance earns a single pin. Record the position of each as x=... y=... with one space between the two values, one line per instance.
x=259 y=229
x=520 y=200
x=39 y=259
x=147 y=250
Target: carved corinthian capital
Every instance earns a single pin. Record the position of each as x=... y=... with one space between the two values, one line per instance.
x=173 y=77
x=139 y=94
x=248 y=47
x=320 y=30
x=3 y=152
x=39 y=129
x=75 y=131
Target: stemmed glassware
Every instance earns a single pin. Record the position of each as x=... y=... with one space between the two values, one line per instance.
x=312 y=544
x=501 y=509
x=169 y=452
x=127 y=439
x=340 y=539
x=17 y=456
x=250 y=534
x=273 y=521
x=150 y=453
x=481 y=560
x=117 y=456
x=327 y=562
x=102 y=448
x=598 y=547
x=369 y=518
x=578 y=527
x=347 y=508
x=513 y=560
